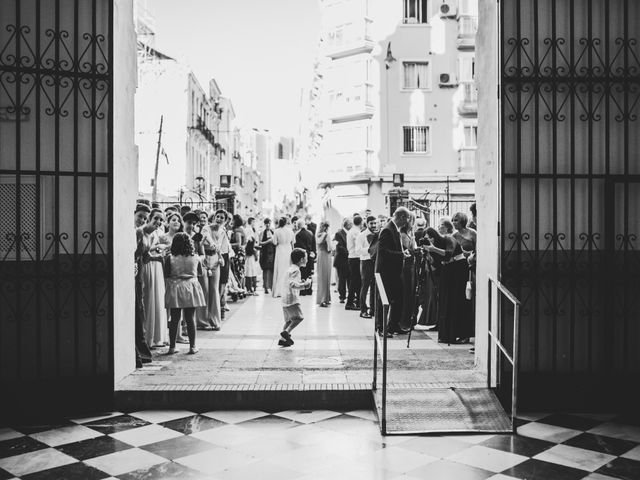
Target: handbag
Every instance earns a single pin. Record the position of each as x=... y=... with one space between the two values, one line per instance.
x=468 y=291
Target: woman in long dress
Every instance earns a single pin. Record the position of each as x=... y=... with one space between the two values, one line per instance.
x=152 y=275
x=212 y=260
x=408 y=278
x=454 y=310
x=283 y=240
x=323 y=247
x=267 y=256
x=434 y=267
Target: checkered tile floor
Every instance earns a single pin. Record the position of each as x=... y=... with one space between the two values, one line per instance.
x=313 y=445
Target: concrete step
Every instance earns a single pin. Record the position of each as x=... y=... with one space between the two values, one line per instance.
x=268 y=398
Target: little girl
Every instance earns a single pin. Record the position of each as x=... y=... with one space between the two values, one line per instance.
x=183 y=291
x=251 y=266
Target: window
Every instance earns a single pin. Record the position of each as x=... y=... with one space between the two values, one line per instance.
x=470 y=136
x=415 y=11
x=416 y=75
x=10 y=239
x=466 y=68
x=416 y=139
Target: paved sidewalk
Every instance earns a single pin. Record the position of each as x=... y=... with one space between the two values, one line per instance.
x=332 y=346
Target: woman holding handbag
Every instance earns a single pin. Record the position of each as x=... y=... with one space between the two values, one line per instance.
x=211 y=265
x=324 y=249
x=267 y=255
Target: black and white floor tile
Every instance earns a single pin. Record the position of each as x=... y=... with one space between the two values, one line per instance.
x=313 y=445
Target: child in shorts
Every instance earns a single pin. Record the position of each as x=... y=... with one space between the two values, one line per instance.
x=291 y=298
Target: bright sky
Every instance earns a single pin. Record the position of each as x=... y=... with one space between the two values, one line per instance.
x=260 y=52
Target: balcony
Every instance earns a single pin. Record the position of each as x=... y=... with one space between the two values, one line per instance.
x=201 y=127
x=467 y=161
x=353 y=104
x=468 y=105
x=467 y=29
x=349 y=39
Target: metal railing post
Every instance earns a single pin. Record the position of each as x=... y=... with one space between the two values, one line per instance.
x=374 y=385
x=385 y=316
x=513 y=359
x=489 y=343
x=514 y=386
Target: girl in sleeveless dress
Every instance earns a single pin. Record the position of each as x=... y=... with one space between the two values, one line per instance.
x=183 y=292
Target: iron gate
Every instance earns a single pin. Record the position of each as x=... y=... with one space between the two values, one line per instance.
x=56 y=162
x=570 y=144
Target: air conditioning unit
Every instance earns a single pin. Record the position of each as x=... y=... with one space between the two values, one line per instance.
x=447 y=81
x=449 y=9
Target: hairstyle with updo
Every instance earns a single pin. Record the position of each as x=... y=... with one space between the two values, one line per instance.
x=237 y=221
x=462 y=218
x=447 y=224
x=323 y=227
x=282 y=222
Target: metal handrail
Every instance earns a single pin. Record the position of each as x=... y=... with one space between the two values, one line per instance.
x=494 y=339
x=383 y=348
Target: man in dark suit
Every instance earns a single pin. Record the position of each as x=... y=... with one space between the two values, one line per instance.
x=310 y=225
x=389 y=262
x=341 y=260
x=305 y=241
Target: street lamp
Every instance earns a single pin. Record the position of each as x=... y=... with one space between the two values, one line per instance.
x=398 y=179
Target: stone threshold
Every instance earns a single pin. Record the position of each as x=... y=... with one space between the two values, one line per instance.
x=265 y=397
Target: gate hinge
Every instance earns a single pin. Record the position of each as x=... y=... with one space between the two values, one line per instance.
x=498 y=228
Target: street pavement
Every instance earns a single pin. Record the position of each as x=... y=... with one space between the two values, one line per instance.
x=332 y=346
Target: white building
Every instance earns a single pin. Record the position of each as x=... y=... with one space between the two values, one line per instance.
x=186 y=150
x=397 y=96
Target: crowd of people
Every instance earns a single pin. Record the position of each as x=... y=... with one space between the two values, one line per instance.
x=188 y=265
x=428 y=273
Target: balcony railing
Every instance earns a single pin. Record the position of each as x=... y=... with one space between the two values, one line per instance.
x=469 y=101
x=201 y=127
x=467 y=160
x=353 y=103
x=467 y=29
x=349 y=39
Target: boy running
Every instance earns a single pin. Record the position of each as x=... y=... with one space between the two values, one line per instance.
x=291 y=299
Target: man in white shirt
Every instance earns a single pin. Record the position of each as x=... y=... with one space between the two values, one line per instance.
x=353 y=300
x=363 y=242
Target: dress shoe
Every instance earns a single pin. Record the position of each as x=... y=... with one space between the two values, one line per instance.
x=400 y=331
x=364 y=315
x=342 y=300
x=350 y=307
x=389 y=334
x=324 y=304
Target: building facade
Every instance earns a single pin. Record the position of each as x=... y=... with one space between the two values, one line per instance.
x=398 y=96
x=178 y=162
